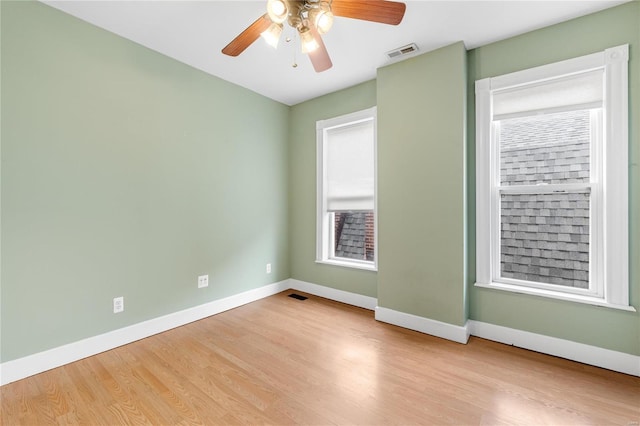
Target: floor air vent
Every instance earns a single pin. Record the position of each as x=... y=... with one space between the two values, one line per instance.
x=297 y=296
x=401 y=51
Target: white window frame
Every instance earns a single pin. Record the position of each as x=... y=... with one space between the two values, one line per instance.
x=324 y=230
x=609 y=245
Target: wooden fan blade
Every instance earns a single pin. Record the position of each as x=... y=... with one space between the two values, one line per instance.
x=320 y=57
x=385 y=12
x=247 y=37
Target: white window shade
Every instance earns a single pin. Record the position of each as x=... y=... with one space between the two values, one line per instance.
x=584 y=90
x=349 y=178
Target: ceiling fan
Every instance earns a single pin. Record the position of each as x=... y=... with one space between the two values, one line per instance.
x=311 y=18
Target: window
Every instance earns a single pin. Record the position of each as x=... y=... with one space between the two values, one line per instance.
x=346 y=222
x=552 y=180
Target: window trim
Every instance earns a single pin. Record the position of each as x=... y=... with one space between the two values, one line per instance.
x=323 y=234
x=614 y=173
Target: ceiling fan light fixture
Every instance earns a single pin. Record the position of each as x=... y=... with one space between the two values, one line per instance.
x=272 y=35
x=308 y=42
x=311 y=19
x=322 y=18
x=277 y=11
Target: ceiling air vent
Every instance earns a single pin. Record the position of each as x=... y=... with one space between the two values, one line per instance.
x=402 y=51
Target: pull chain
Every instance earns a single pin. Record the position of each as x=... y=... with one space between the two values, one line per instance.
x=295 y=62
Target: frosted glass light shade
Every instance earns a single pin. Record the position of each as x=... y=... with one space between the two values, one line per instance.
x=277 y=11
x=308 y=42
x=272 y=35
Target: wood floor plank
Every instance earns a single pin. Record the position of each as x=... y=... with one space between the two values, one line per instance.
x=285 y=361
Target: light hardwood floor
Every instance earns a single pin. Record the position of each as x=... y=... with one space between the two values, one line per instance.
x=317 y=362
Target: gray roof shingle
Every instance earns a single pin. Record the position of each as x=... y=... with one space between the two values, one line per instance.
x=545 y=237
x=351 y=238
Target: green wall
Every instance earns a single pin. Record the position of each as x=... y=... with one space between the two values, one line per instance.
x=421 y=185
x=127 y=173
x=419 y=259
x=426 y=243
x=603 y=327
x=302 y=189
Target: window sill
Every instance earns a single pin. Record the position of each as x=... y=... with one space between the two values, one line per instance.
x=555 y=295
x=367 y=266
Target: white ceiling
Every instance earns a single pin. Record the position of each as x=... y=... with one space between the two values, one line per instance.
x=194 y=32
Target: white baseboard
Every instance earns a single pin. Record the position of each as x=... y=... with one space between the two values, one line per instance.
x=20 y=368
x=586 y=354
x=37 y=363
x=445 y=330
x=354 y=299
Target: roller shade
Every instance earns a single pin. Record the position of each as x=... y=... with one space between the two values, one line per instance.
x=565 y=93
x=349 y=167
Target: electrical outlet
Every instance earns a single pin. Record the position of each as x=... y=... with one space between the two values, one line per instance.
x=118 y=304
x=203 y=281
x=268 y=268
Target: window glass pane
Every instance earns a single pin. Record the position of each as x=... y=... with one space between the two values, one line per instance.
x=550 y=148
x=545 y=238
x=354 y=235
